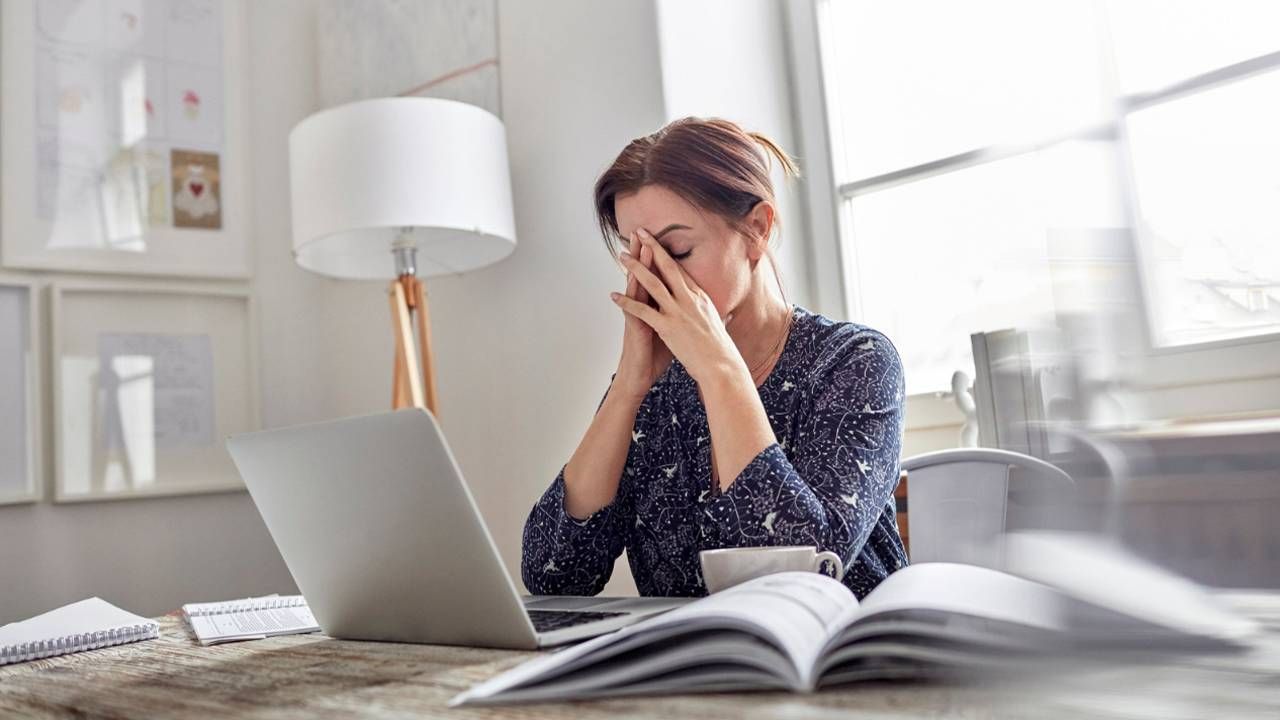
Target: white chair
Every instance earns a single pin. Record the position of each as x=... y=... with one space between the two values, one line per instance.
x=958 y=500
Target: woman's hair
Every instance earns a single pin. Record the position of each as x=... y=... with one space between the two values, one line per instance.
x=712 y=163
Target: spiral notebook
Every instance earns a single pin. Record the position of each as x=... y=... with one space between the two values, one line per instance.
x=249 y=619
x=85 y=625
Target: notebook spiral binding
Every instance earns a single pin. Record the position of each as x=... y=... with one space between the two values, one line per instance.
x=235 y=606
x=77 y=642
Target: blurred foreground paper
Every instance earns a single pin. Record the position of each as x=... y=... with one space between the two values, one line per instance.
x=1119 y=587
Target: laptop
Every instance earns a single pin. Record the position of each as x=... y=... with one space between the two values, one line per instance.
x=385 y=541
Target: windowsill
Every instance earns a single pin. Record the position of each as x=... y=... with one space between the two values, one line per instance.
x=1250 y=423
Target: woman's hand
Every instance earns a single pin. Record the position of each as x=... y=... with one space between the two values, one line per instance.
x=685 y=319
x=644 y=356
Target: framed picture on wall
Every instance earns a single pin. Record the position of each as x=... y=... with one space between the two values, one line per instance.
x=124 y=137
x=147 y=385
x=21 y=479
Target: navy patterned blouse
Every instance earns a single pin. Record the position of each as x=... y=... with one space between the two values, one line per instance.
x=835 y=401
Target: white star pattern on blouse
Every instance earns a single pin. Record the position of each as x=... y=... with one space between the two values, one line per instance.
x=835 y=401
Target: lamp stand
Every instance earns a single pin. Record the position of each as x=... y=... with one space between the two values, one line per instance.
x=412 y=385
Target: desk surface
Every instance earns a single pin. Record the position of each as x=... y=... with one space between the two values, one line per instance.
x=318 y=677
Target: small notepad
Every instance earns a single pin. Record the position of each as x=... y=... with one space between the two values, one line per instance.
x=250 y=618
x=85 y=625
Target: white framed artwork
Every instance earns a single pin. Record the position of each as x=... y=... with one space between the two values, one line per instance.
x=21 y=449
x=148 y=382
x=124 y=137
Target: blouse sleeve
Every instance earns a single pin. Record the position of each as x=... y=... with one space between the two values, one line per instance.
x=562 y=555
x=845 y=457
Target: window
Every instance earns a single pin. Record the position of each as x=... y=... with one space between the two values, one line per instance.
x=986 y=154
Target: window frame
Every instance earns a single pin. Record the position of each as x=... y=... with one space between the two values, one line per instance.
x=1248 y=358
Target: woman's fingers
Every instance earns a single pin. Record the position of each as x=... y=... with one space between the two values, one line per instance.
x=637 y=251
x=633 y=286
x=645 y=256
x=671 y=271
x=649 y=281
x=650 y=316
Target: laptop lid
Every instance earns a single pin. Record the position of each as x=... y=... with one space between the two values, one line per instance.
x=380 y=533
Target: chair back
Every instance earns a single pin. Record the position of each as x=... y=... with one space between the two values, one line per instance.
x=958 y=500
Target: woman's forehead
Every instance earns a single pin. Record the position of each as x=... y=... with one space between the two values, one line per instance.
x=653 y=208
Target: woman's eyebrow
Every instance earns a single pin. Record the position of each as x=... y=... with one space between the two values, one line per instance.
x=673 y=226
x=667 y=229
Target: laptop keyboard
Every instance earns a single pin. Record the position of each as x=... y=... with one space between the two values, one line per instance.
x=548 y=620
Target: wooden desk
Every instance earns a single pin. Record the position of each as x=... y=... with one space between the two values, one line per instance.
x=317 y=677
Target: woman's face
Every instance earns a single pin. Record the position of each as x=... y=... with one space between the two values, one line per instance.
x=715 y=255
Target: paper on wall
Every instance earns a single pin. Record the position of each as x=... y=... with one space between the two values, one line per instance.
x=175 y=370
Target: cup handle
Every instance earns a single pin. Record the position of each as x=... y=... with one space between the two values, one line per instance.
x=832 y=558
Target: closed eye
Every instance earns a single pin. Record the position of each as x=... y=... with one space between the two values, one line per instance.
x=682 y=255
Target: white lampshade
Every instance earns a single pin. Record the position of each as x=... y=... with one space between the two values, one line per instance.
x=362 y=172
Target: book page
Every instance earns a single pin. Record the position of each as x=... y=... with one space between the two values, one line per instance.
x=668 y=667
x=797 y=610
x=968 y=590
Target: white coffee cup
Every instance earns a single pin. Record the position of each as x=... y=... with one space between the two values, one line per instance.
x=726 y=567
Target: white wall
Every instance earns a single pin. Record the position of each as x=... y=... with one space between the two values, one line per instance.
x=152 y=555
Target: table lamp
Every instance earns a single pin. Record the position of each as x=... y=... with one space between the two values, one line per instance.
x=401 y=188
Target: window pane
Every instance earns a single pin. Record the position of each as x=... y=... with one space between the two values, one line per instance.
x=1161 y=42
x=968 y=251
x=910 y=81
x=1207 y=176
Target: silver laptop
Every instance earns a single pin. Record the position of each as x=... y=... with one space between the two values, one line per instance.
x=384 y=540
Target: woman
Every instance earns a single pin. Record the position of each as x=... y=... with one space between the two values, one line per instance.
x=734 y=418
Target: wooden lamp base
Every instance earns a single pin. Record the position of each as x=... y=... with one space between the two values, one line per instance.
x=412 y=385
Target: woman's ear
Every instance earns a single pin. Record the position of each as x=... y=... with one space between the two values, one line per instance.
x=760 y=220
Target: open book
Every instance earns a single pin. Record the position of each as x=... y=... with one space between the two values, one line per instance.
x=801 y=631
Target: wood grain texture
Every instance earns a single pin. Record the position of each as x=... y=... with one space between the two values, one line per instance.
x=315 y=676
